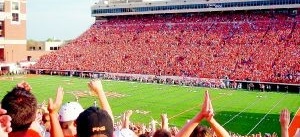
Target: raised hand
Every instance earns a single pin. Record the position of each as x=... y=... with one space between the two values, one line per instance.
x=24 y=85
x=284 y=122
x=164 y=122
x=207 y=109
x=153 y=125
x=126 y=119
x=95 y=86
x=208 y=113
x=5 y=122
x=128 y=113
x=284 y=118
x=54 y=106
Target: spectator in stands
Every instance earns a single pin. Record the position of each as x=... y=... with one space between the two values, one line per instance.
x=164 y=130
x=162 y=133
x=46 y=124
x=201 y=131
x=207 y=113
x=166 y=46
x=68 y=113
x=21 y=105
x=124 y=130
x=95 y=113
x=94 y=122
x=5 y=122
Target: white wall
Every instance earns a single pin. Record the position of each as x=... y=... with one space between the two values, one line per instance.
x=52 y=44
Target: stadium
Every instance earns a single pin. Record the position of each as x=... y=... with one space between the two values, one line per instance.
x=160 y=56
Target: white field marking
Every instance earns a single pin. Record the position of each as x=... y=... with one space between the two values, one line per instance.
x=183 y=112
x=187 y=110
x=241 y=112
x=223 y=107
x=266 y=115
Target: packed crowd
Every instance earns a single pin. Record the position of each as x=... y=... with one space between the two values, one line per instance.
x=20 y=116
x=243 y=46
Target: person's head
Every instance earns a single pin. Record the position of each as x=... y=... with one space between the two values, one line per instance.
x=201 y=131
x=68 y=113
x=144 y=135
x=94 y=122
x=46 y=121
x=162 y=133
x=21 y=105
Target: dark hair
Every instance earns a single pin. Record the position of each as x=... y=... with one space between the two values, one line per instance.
x=201 y=131
x=162 y=133
x=21 y=105
x=144 y=135
x=94 y=122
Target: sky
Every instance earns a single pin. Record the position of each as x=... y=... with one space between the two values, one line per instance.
x=59 y=19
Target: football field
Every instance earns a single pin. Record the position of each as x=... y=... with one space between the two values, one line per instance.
x=239 y=111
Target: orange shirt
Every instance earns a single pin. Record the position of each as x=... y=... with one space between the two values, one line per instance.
x=28 y=133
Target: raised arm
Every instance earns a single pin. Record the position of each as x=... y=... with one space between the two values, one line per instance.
x=96 y=87
x=218 y=129
x=152 y=127
x=284 y=122
x=192 y=124
x=126 y=119
x=209 y=115
x=53 y=107
x=164 y=122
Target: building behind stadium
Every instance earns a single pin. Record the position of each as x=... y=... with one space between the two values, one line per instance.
x=13 y=41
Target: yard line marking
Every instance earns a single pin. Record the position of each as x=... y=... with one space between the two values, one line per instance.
x=187 y=110
x=223 y=107
x=266 y=114
x=255 y=102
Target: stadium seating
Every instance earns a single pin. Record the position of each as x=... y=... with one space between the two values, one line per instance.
x=258 y=46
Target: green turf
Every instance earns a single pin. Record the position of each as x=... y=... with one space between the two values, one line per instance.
x=238 y=110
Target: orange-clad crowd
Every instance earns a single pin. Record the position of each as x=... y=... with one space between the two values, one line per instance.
x=258 y=46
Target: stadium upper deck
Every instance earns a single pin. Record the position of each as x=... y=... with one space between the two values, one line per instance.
x=137 y=7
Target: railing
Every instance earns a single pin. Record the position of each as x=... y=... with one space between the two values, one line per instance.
x=184 y=7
